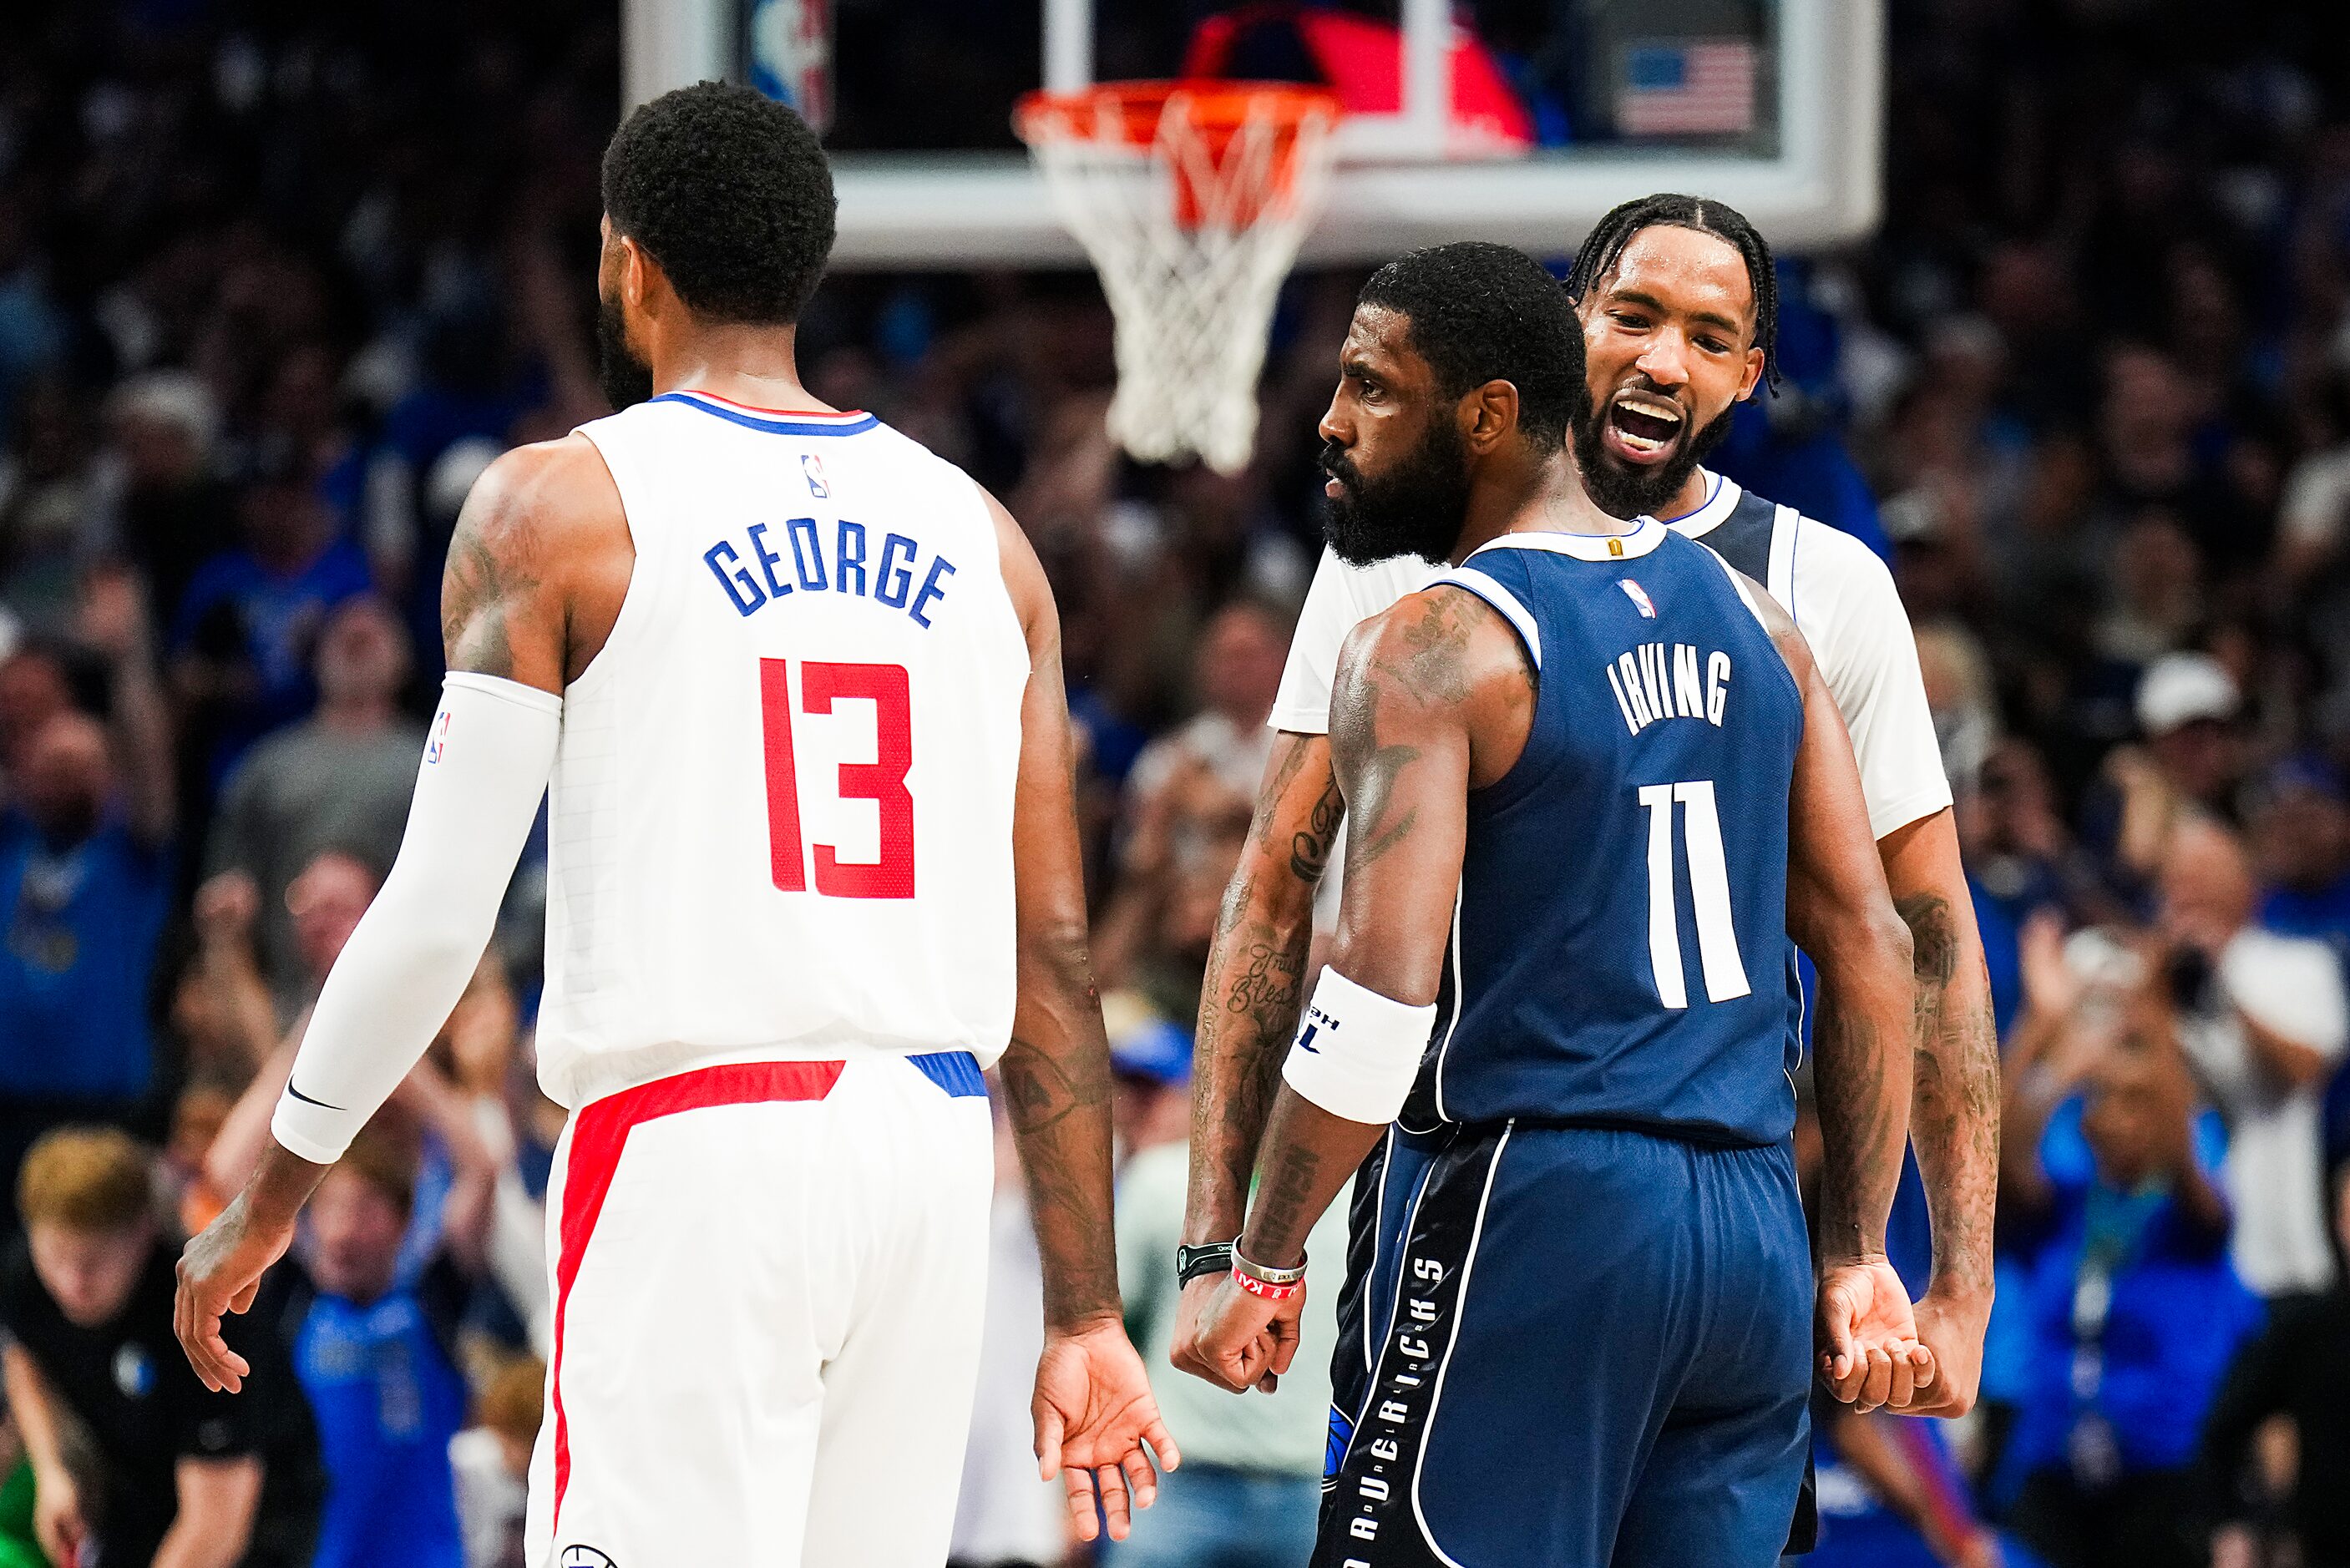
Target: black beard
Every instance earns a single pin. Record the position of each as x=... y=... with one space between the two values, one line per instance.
x=627 y=380
x=1418 y=509
x=1629 y=493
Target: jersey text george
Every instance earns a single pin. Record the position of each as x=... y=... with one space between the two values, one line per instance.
x=780 y=559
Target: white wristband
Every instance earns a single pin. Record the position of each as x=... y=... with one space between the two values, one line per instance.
x=485 y=766
x=1357 y=1051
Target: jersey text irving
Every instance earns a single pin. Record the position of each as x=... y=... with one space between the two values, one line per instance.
x=1655 y=681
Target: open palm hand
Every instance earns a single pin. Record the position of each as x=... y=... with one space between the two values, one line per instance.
x=1094 y=1413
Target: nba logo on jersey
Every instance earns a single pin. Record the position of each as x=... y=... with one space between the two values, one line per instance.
x=814 y=468
x=439 y=738
x=1639 y=597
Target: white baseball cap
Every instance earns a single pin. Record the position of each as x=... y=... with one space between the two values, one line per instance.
x=2180 y=688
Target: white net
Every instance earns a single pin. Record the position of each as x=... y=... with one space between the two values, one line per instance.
x=1191 y=242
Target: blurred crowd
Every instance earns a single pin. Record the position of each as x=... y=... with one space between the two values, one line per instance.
x=277 y=282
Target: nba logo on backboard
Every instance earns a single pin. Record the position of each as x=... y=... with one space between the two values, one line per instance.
x=814 y=468
x=1638 y=595
x=790 y=46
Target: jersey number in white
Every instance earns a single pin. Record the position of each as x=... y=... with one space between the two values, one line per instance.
x=1717 y=941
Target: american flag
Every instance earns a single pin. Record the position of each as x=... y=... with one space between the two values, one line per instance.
x=1698 y=87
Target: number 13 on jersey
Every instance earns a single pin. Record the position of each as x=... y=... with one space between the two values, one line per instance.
x=882 y=781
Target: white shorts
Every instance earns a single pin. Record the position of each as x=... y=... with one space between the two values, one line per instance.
x=769 y=1281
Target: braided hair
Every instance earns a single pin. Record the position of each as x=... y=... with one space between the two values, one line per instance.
x=1605 y=244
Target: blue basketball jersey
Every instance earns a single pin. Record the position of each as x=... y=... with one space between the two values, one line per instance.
x=1620 y=955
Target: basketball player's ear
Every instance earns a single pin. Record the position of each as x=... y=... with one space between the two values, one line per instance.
x=1754 y=373
x=636 y=272
x=1488 y=413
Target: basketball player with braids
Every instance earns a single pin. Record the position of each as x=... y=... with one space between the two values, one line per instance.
x=1679 y=305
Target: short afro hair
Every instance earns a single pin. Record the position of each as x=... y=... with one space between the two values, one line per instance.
x=730 y=193
x=1482 y=313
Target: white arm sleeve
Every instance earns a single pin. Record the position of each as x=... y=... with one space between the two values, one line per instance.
x=485 y=766
x=1849 y=611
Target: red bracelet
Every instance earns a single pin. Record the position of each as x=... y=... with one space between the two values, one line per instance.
x=1262 y=1290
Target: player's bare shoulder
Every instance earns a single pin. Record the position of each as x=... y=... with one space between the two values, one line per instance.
x=1438 y=660
x=538 y=565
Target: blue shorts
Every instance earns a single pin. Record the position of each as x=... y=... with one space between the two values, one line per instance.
x=1572 y=1347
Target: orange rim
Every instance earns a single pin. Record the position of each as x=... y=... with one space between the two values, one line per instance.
x=1218 y=108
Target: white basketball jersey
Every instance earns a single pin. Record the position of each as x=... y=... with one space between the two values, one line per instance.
x=780 y=822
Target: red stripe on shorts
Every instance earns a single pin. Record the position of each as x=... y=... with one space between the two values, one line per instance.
x=600 y=1135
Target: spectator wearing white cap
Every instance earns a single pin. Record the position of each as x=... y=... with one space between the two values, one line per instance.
x=2186 y=708
x=2191 y=761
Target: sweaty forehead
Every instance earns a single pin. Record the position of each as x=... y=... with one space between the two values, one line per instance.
x=1685 y=271
x=1381 y=337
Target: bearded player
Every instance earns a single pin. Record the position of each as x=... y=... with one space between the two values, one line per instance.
x=1597 y=786
x=813 y=865
x=1678 y=304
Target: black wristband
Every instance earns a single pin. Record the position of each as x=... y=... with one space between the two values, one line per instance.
x=1195 y=1263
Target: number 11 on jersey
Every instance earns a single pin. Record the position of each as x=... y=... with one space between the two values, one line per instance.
x=1708 y=871
x=882 y=781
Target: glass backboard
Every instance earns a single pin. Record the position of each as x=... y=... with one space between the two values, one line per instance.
x=1515 y=120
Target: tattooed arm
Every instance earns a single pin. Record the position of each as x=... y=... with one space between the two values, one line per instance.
x=1839 y=912
x=1093 y=1408
x=1954 y=1114
x=1432 y=699
x=1250 y=999
x=1057 y=1070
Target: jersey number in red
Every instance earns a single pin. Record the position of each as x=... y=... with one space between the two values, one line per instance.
x=882 y=781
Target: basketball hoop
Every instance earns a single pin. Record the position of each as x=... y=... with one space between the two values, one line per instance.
x=1192 y=198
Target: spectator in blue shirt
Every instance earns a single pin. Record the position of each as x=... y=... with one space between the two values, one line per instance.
x=85 y=824
x=243 y=639
x=2301 y=828
x=378 y=1357
x=2133 y=1311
